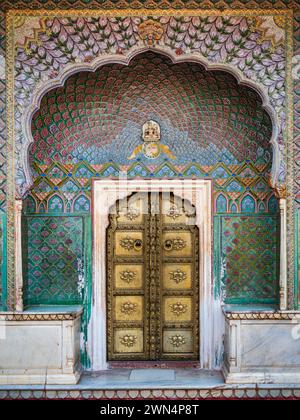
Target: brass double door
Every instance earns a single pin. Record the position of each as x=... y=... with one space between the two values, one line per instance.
x=152 y=279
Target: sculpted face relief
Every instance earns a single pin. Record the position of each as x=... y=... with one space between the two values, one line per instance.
x=152 y=148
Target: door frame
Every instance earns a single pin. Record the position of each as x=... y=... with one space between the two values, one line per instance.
x=199 y=192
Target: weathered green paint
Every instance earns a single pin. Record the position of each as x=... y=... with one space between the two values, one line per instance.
x=87 y=302
x=87 y=270
x=53 y=251
x=252 y=287
x=217 y=258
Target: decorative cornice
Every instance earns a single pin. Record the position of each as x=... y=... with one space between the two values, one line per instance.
x=154 y=12
x=262 y=316
x=70 y=316
x=150 y=4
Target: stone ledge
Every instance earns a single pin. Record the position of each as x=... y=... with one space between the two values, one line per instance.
x=289 y=376
x=46 y=313
x=36 y=379
x=262 y=315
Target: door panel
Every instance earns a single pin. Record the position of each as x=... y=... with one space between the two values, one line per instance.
x=178 y=343
x=129 y=340
x=132 y=209
x=128 y=244
x=177 y=243
x=128 y=276
x=176 y=211
x=177 y=276
x=127 y=291
x=180 y=292
x=129 y=308
x=152 y=270
x=177 y=309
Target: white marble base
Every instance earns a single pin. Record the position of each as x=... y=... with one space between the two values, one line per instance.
x=40 y=348
x=27 y=378
x=269 y=376
x=265 y=350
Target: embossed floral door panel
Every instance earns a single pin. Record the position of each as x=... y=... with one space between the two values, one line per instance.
x=179 y=292
x=152 y=270
x=127 y=286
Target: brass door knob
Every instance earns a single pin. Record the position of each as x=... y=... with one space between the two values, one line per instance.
x=168 y=245
x=138 y=244
x=175 y=244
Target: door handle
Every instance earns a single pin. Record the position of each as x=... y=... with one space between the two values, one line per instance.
x=168 y=245
x=175 y=244
x=138 y=244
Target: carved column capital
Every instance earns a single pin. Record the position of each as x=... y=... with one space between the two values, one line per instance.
x=280 y=192
x=279 y=189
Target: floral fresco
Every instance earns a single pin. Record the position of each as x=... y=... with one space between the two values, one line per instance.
x=249 y=44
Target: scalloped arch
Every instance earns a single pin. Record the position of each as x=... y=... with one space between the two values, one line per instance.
x=248 y=204
x=81 y=203
x=221 y=203
x=55 y=203
x=72 y=68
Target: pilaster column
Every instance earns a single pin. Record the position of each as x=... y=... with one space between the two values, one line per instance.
x=18 y=250
x=283 y=256
x=280 y=193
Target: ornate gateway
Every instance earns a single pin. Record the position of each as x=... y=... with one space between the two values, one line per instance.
x=152 y=271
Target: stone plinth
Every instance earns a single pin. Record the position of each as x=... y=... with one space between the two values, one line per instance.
x=40 y=347
x=262 y=348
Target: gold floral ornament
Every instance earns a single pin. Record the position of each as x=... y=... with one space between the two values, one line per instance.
x=271 y=28
x=27 y=30
x=127 y=243
x=130 y=243
x=130 y=212
x=174 y=212
x=177 y=340
x=279 y=190
x=127 y=276
x=178 y=308
x=175 y=244
x=128 y=340
x=178 y=276
x=150 y=31
x=128 y=308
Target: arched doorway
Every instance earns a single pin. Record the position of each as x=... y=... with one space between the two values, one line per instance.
x=90 y=128
x=196 y=195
